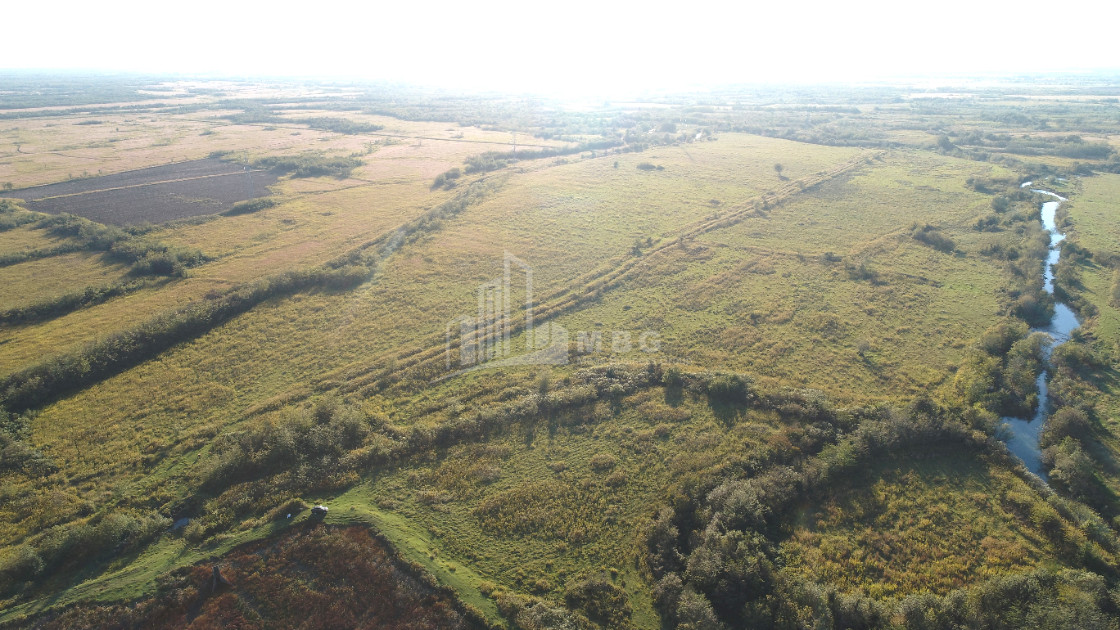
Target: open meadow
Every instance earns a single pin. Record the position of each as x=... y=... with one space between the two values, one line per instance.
x=782 y=330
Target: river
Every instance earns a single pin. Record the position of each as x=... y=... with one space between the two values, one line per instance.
x=1025 y=432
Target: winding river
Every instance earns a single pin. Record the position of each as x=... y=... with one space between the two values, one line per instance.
x=1025 y=432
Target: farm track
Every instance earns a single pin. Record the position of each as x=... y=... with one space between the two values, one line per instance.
x=20 y=151
x=590 y=286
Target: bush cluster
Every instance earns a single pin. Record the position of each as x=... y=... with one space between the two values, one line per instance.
x=310 y=164
x=1070 y=437
x=15 y=258
x=250 y=206
x=101 y=536
x=494 y=160
x=932 y=236
x=13 y=216
x=147 y=256
x=1000 y=372
x=447 y=179
x=338 y=125
x=714 y=554
x=312 y=439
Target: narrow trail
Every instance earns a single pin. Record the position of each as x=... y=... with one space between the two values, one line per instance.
x=20 y=151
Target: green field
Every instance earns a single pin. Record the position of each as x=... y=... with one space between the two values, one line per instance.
x=837 y=304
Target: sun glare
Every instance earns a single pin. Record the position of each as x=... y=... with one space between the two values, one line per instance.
x=575 y=48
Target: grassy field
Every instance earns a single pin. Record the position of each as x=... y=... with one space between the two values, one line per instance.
x=37 y=280
x=290 y=343
x=761 y=297
x=921 y=523
x=27 y=238
x=1094 y=214
x=845 y=262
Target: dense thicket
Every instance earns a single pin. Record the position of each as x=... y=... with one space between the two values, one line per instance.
x=79 y=543
x=714 y=552
x=310 y=164
x=999 y=372
x=147 y=256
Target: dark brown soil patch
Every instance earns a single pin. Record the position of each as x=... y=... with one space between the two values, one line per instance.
x=151 y=195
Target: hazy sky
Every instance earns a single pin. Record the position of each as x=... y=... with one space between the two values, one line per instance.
x=568 y=47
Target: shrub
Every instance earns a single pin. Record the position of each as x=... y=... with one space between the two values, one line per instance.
x=729 y=388
x=447 y=179
x=933 y=237
x=317 y=437
x=672 y=377
x=13 y=216
x=489 y=161
x=600 y=600
x=250 y=206
x=615 y=479
x=1036 y=308
x=100 y=537
x=16 y=455
x=861 y=271
x=695 y=611
x=530 y=613
x=38 y=384
x=1073 y=357
x=1066 y=422
x=1072 y=470
x=148 y=257
x=22 y=564
x=997 y=340
x=310 y=164
x=337 y=125
x=94 y=235
x=603 y=461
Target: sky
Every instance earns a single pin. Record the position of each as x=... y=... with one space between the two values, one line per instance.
x=576 y=47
